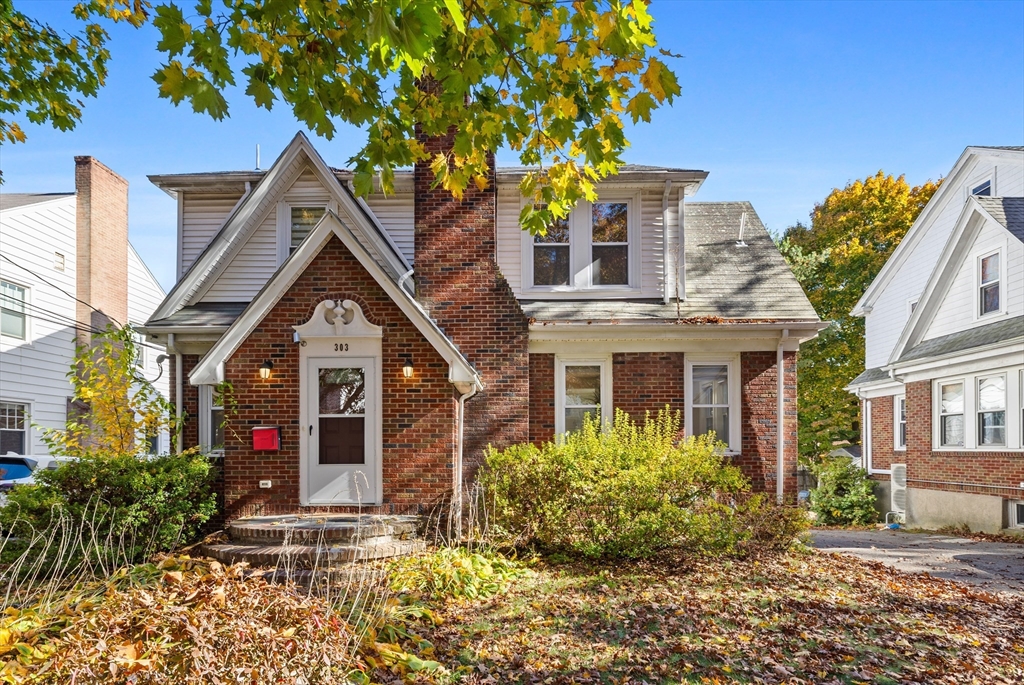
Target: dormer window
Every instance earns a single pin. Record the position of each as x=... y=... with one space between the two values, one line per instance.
x=595 y=248
x=303 y=221
x=983 y=189
x=988 y=288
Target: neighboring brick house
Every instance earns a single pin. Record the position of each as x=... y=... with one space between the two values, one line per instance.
x=943 y=394
x=66 y=270
x=389 y=341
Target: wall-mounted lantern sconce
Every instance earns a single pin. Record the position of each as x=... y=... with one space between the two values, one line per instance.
x=265 y=369
x=407 y=367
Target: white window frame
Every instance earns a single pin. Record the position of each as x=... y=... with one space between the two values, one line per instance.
x=897 y=402
x=580 y=244
x=11 y=341
x=912 y=305
x=1014 y=376
x=206 y=407
x=735 y=439
x=28 y=421
x=978 y=186
x=1001 y=281
x=562 y=361
x=978 y=412
x=284 y=223
x=1015 y=521
x=59 y=261
x=937 y=413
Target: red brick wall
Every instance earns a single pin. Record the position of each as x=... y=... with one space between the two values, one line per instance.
x=101 y=245
x=759 y=382
x=542 y=398
x=419 y=413
x=883 y=451
x=459 y=283
x=1002 y=470
x=647 y=381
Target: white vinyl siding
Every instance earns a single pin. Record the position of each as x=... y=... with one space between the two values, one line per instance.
x=509 y=237
x=202 y=215
x=959 y=309
x=144 y=296
x=397 y=215
x=888 y=316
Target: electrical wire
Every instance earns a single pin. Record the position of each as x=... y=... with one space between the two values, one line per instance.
x=52 y=285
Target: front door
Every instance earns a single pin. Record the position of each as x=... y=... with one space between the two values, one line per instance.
x=342 y=464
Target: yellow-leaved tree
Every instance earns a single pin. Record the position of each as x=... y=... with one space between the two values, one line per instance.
x=852 y=234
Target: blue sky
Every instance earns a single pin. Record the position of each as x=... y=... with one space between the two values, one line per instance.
x=781 y=103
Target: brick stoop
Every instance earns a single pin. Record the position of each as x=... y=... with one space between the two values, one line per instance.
x=317 y=541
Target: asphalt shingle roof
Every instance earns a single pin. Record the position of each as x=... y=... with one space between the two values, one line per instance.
x=989 y=334
x=870 y=376
x=203 y=314
x=1008 y=211
x=12 y=200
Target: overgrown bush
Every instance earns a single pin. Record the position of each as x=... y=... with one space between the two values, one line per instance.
x=628 y=490
x=844 y=496
x=454 y=572
x=142 y=505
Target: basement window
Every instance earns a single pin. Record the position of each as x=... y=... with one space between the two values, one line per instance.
x=1017 y=514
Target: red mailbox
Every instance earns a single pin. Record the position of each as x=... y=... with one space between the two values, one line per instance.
x=266 y=438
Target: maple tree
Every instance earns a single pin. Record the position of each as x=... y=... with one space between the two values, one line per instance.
x=552 y=81
x=852 y=234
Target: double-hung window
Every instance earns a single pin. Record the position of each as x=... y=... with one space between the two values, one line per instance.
x=303 y=219
x=900 y=416
x=13 y=319
x=992 y=410
x=13 y=428
x=951 y=414
x=582 y=388
x=988 y=286
x=595 y=249
x=712 y=399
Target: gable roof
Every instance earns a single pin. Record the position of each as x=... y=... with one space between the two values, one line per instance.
x=210 y=369
x=243 y=221
x=968 y=226
x=10 y=201
x=947 y=191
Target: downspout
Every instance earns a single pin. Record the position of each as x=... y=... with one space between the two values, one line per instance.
x=780 y=439
x=177 y=391
x=664 y=240
x=459 y=441
x=405 y=277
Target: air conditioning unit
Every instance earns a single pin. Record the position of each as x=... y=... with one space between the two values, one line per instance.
x=898 y=486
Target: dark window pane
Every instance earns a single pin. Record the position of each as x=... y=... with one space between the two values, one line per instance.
x=582 y=385
x=558 y=232
x=992 y=428
x=990 y=298
x=342 y=391
x=342 y=440
x=953 y=430
x=985 y=189
x=610 y=222
x=12 y=415
x=551 y=265
x=217 y=429
x=303 y=221
x=611 y=264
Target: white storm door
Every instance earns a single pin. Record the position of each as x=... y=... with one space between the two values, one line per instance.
x=342 y=459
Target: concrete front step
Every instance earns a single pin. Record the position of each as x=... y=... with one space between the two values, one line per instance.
x=311 y=556
x=323 y=530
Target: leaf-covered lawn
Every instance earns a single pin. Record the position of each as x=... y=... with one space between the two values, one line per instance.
x=814 y=617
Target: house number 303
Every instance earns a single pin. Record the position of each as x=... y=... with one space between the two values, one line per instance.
x=341 y=347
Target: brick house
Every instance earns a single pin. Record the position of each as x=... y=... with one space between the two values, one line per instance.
x=388 y=341
x=942 y=396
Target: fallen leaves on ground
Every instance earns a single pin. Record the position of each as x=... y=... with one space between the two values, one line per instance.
x=805 y=618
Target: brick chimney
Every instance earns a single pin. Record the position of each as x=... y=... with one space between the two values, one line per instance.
x=459 y=284
x=101 y=265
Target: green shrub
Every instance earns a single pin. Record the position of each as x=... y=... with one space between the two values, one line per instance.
x=844 y=496
x=454 y=572
x=627 y=490
x=141 y=505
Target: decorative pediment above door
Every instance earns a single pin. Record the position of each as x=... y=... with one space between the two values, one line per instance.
x=338 y=320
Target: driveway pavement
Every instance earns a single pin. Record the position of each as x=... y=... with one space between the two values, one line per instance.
x=993 y=566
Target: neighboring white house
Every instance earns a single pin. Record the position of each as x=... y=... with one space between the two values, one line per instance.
x=943 y=391
x=65 y=267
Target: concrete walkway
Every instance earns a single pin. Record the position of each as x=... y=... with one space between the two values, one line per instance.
x=992 y=566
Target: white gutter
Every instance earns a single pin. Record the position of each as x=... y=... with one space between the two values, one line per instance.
x=664 y=240
x=781 y=420
x=459 y=441
x=681 y=249
x=177 y=391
